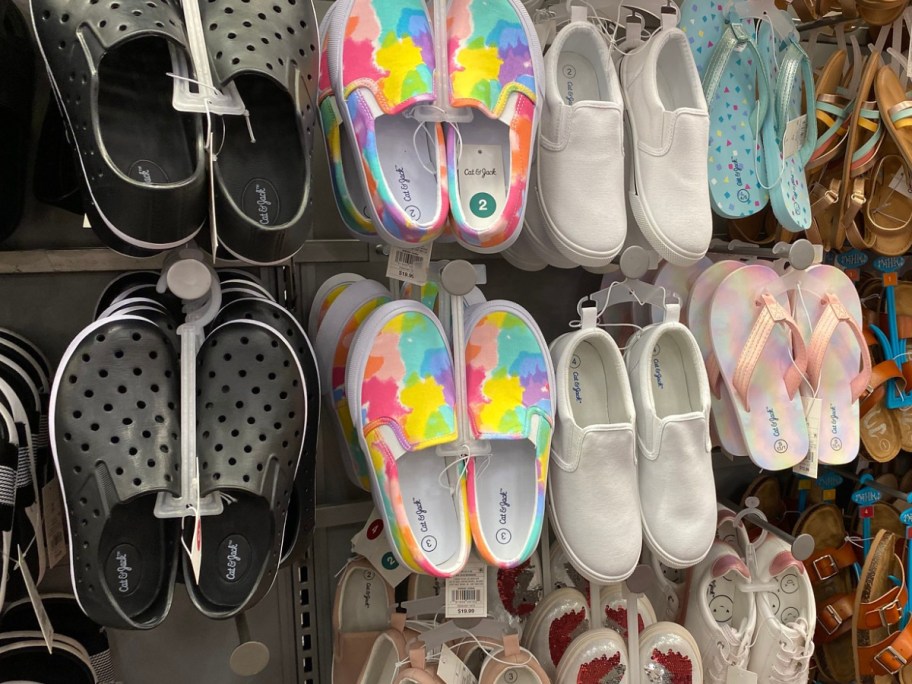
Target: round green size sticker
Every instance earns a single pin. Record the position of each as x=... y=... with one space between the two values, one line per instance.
x=482 y=204
x=389 y=561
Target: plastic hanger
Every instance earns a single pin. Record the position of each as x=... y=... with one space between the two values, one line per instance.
x=766 y=10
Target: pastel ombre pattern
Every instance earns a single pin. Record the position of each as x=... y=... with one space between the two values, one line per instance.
x=339 y=397
x=387 y=66
x=492 y=68
x=407 y=391
x=508 y=395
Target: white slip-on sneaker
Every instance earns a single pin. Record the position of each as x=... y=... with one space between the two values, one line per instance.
x=558 y=619
x=613 y=601
x=535 y=228
x=668 y=593
x=332 y=344
x=592 y=490
x=786 y=615
x=669 y=654
x=674 y=465
x=523 y=255
x=721 y=616
x=509 y=377
x=401 y=395
x=669 y=132
x=599 y=655
x=581 y=148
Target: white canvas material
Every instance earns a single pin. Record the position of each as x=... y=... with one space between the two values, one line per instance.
x=786 y=615
x=535 y=228
x=523 y=255
x=721 y=616
x=668 y=653
x=559 y=618
x=592 y=484
x=669 y=134
x=600 y=655
x=674 y=466
x=581 y=148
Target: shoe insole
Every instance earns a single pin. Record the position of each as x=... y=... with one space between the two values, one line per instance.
x=588 y=387
x=670 y=380
x=674 y=89
x=788 y=601
x=726 y=601
x=237 y=545
x=383 y=663
x=31 y=663
x=483 y=169
x=266 y=179
x=518 y=675
x=405 y=159
x=147 y=139
x=577 y=79
x=505 y=491
x=365 y=603
x=430 y=508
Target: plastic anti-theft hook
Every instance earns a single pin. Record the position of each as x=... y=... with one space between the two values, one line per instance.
x=458 y=278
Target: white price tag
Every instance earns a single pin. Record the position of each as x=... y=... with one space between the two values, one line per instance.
x=482 y=187
x=901 y=184
x=372 y=543
x=795 y=134
x=738 y=675
x=808 y=467
x=409 y=265
x=54 y=532
x=44 y=622
x=467 y=592
x=452 y=670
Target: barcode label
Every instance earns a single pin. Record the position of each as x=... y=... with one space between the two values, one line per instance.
x=467 y=592
x=409 y=265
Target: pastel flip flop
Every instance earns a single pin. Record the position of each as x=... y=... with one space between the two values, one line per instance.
x=828 y=312
x=678 y=280
x=786 y=172
x=703 y=22
x=736 y=86
x=726 y=428
x=752 y=330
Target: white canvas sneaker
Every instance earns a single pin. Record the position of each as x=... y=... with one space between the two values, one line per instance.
x=592 y=489
x=786 y=615
x=581 y=148
x=721 y=616
x=674 y=465
x=669 y=132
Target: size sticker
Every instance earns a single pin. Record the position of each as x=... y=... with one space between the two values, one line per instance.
x=795 y=134
x=54 y=533
x=44 y=622
x=808 y=467
x=409 y=265
x=738 y=675
x=901 y=184
x=467 y=592
x=452 y=670
x=372 y=543
x=481 y=180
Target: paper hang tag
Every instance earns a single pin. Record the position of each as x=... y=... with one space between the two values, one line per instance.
x=808 y=467
x=44 y=622
x=452 y=670
x=482 y=187
x=372 y=543
x=901 y=184
x=738 y=675
x=409 y=265
x=467 y=592
x=54 y=535
x=196 y=546
x=579 y=13
x=795 y=134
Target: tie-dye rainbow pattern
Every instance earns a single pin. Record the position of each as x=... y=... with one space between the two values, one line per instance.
x=490 y=59
x=331 y=123
x=339 y=397
x=408 y=387
x=388 y=50
x=508 y=392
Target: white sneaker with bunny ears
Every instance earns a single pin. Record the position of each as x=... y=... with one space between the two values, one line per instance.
x=674 y=466
x=721 y=615
x=592 y=490
x=786 y=615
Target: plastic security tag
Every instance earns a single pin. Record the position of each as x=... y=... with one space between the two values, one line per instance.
x=85 y=221
x=738 y=675
x=808 y=467
x=901 y=184
x=482 y=187
x=44 y=622
x=196 y=546
x=54 y=535
x=452 y=670
x=371 y=543
x=795 y=134
x=409 y=265
x=467 y=592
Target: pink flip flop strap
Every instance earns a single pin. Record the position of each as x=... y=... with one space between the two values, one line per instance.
x=771 y=314
x=835 y=314
x=714 y=375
